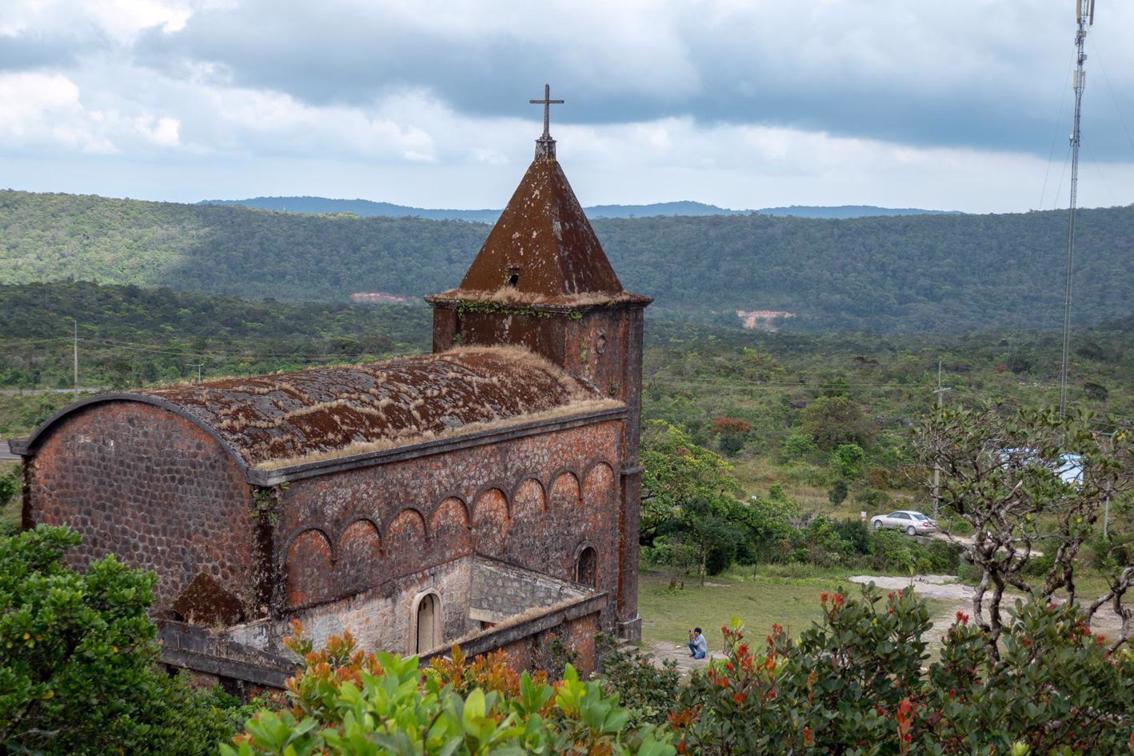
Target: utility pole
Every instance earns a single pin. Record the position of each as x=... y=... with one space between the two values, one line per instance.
x=1108 y=445
x=940 y=391
x=197 y=365
x=1084 y=17
x=76 y=355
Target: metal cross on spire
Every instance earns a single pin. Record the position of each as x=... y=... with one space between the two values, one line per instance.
x=545 y=145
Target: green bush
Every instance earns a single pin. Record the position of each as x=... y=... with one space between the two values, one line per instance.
x=943 y=556
x=348 y=702
x=855 y=534
x=9 y=503
x=821 y=543
x=798 y=447
x=891 y=551
x=847 y=461
x=873 y=499
x=858 y=682
x=1107 y=553
x=79 y=667
x=645 y=689
x=837 y=494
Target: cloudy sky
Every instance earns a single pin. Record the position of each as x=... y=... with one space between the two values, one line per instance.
x=960 y=104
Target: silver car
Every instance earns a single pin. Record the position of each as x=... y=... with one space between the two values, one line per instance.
x=914 y=523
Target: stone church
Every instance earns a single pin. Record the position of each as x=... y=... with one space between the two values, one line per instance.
x=486 y=494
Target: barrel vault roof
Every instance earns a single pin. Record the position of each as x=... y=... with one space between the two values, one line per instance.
x=284 y=419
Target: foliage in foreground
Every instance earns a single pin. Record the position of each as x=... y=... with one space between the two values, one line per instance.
x=79 y=667
x=854 y=683
x=348 y=702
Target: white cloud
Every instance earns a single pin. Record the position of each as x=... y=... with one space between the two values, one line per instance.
x=43 y=110
x=164 y=131
x=744 y=103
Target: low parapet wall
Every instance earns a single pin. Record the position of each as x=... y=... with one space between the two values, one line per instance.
x=194 y=648
x=526 y=637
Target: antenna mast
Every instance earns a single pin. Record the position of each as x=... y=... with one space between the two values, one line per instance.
x=1084 y=18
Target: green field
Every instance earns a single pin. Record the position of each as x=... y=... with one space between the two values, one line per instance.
x=667 y=614
x=770 y=597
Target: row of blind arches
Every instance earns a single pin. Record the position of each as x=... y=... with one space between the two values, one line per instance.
x=564 y=491
x=451 y=530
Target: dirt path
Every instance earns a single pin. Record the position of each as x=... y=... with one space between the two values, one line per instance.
x=662 y=651
x=959 y=598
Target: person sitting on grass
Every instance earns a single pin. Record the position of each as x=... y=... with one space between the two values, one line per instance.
x=698 y=646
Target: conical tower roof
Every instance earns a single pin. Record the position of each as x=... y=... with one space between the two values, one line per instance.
x=543 y=246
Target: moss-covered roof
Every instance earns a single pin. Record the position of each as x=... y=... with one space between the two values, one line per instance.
x=277 y=420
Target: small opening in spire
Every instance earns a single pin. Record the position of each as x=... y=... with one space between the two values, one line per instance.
x=513 y=276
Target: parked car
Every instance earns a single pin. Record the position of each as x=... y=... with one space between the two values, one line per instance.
x=914 y=523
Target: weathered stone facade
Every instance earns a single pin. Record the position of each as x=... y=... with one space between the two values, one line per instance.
x=154 y=489
x=486 y=494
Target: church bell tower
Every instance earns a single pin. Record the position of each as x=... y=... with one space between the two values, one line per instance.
x=542 y=281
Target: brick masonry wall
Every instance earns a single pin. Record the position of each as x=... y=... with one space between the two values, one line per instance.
x=534 y=501
x=604 y=348
x=535 y=651
x=153 y=488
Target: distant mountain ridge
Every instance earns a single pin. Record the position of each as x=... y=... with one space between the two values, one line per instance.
x=370 y=209
x=848 y=211
x=944 y=273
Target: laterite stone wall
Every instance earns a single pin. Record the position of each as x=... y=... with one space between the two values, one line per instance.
x=155 y=489
x=534 y=501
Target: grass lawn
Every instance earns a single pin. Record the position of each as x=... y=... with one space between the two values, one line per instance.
x=784 y=596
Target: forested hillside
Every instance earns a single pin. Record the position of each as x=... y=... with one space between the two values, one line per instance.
x=948 y=273
x=129 y=336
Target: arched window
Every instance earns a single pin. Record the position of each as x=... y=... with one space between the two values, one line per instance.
x=586 y=567
x=428 y=624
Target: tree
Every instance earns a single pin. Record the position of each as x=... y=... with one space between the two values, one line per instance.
x=678 y=473
x=689 y=497
x=733 y=432
x=834 y=420
x=837 y=494
x=847 y=461
x=1006 y=475
x=79 y=663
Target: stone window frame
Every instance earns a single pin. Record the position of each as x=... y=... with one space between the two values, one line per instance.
x=415 y=613
x=579 y=551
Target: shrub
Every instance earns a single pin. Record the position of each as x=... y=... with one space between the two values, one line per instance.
x=855 y=534
x=857 y=682
x=847 y=461
x=943 y=556
x=834 y=420
x=8 y=488
x=837 y=494
x=79 y=663
x=822 y=544
x=872 y=498
x=835 y=688
x=348 y=702
x=644 y=688
x=733 y=432
x=1055 y=688
x=798 y=447
x=891 y=551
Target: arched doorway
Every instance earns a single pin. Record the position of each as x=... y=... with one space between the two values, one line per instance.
x=586 y=567
x=428 y=613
